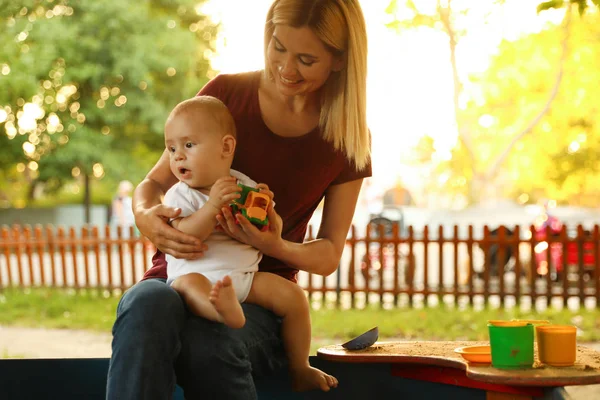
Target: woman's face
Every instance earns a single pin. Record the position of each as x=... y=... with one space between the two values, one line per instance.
x=299 y=61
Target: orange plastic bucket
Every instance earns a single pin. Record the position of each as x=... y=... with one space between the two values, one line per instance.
x=557 y=344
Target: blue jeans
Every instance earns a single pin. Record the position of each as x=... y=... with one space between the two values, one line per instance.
x=157 y=342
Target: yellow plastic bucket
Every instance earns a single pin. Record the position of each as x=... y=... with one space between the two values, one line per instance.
x=557 y=344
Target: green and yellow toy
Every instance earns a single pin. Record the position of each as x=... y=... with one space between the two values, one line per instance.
x=252 y=205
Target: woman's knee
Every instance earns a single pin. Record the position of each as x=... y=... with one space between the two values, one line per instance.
x=152 y=302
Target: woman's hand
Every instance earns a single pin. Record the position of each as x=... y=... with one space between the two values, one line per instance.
x=267 y=241
x=153 y=223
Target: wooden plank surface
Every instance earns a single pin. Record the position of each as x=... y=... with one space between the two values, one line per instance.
x=586 y=370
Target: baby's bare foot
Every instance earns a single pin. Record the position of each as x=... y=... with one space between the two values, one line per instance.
x=223 y=297
x=308 y=378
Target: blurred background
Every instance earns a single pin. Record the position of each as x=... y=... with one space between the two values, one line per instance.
x=469 y=103
x=483 y=114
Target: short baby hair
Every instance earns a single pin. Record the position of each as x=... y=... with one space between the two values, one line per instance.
x=197 y=108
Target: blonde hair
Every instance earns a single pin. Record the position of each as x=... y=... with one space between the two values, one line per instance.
x=215 y=108
x=340 y=25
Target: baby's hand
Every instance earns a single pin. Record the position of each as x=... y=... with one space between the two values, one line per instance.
x=223 y=192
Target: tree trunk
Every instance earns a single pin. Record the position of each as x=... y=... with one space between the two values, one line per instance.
x=493 y=171
x=482 y=180
x=464 y=135
x=87 y=198
x=31 y=191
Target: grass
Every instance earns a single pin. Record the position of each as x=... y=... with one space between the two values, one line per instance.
x=52 y=308
x=5 y=354
x=95 y=311
x=440 y=323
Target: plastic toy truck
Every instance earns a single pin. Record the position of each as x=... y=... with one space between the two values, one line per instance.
x=253 y=205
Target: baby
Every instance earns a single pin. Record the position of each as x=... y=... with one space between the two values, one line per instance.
x=200 y=137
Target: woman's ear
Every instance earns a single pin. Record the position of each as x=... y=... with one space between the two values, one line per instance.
x=339 y=63
x=228 y=142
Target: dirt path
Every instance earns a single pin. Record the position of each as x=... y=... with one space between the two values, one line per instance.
x=18 y=342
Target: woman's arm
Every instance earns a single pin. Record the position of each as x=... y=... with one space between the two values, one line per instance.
x=320 y=256
x=151 y=216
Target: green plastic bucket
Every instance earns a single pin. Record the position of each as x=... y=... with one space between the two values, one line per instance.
x=512 y=346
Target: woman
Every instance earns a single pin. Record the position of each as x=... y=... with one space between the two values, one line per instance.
x=122 y=214
x=302 y=130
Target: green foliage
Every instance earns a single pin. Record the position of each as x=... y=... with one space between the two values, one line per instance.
x=415 y=17
x=559 y=158
x=582 y=5
x=105 y=75
x=528 y=122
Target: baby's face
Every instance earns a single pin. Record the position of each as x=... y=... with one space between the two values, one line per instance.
x=196 y=151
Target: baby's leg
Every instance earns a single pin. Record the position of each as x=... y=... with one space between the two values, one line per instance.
x=197 y=292
x=223 y=298
x=287 y=300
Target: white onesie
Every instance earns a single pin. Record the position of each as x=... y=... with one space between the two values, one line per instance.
x=225 y=255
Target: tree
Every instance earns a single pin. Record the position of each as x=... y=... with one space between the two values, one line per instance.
x=582 y=5
x=87 y=85
x=480 y=154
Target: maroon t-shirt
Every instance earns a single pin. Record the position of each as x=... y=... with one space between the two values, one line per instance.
x=298 y=170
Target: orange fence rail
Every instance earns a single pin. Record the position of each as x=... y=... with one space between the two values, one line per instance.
x=380 y=266
x=60 y=257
